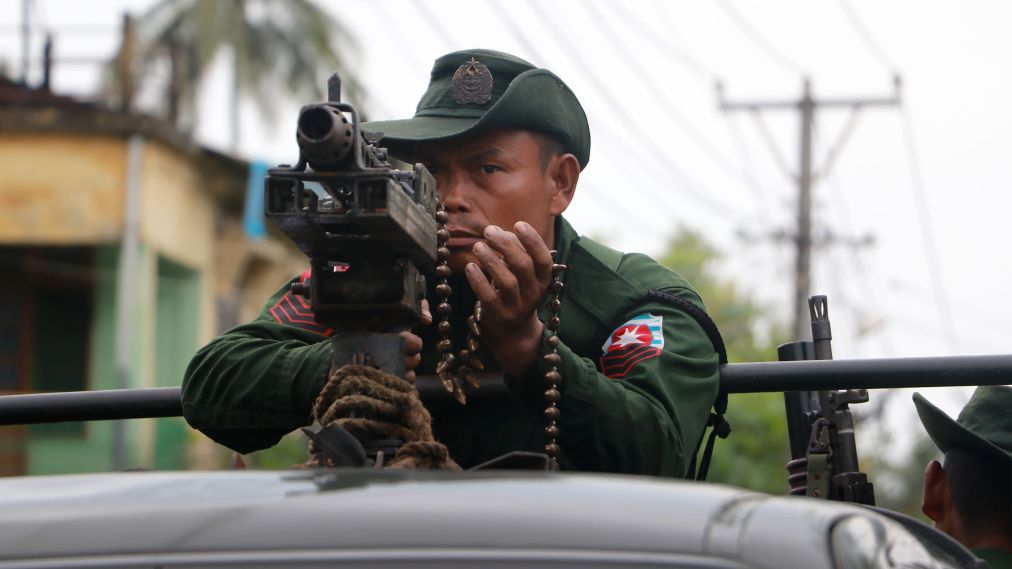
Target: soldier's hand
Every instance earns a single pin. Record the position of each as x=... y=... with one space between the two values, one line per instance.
x=514 y=273
x=413 y=344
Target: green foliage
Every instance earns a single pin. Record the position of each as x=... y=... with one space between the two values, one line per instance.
x=755 y=454
x=898 y=478
x=291 y=450
x=750 y=333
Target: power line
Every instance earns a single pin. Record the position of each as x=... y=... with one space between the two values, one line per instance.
x=927 y=233
x=834 y=150
x=603 y=199
x=759 y=40
x=618 y=134
x=663 y=99
x=619 y=110
x=398 y=39
x=771 y=144
x=866 y=36
x=680 y=55
x=860 y=275
x=978 y=314
x=433 y=23
x=747 y=167
x=648 y=183
x=606 y=202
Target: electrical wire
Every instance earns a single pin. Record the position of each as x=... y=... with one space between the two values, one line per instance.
x=927 y=233
x=410 y=55
x=663 y=99
x=433 y=23
x=759 y=40
x=860 y=275
x=747 y=167
x=635 y=168
x=979 y=315
x=840 y=297
x=607 y=203
x=866 y=37
x=982 y=345
x=680 y=55
x=605 y=200
x=771 y=144
x=619 y=110
x=837 y=146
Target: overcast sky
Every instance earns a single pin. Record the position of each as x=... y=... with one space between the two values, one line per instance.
x=665 y=156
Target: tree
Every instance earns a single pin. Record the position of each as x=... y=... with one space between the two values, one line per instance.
x=278 y=46
x=755 y=454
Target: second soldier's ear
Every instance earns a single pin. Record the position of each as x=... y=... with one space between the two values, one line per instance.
x=562 y=174
x=936 y=490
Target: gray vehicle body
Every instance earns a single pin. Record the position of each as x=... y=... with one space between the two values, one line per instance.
x=369 y=518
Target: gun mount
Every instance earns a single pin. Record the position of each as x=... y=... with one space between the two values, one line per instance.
x=368 y=229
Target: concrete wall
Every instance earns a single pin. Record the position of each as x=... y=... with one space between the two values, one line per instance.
x=70 y=189
x=61 y=189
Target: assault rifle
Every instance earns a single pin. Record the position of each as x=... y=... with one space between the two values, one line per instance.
x=820 y=425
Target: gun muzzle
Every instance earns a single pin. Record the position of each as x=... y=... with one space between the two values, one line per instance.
x=325 y=137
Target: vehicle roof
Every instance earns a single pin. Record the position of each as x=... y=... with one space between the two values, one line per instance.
x=139 y=513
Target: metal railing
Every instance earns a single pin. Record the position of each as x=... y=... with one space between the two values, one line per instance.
x=814 y=375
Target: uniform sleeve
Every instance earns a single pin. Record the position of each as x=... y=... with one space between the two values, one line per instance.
x=649 y=412
x=255 y=383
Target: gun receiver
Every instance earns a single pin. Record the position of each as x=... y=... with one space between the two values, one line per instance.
x=821 y=427
x=368 y=229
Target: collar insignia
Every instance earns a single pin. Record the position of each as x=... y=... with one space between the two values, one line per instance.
x=472 y=83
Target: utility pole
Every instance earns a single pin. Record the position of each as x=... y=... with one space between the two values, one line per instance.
x=807 y=106
x=26 y=39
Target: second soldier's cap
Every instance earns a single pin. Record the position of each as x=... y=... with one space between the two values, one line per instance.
x=984 y=424
x=477 y=90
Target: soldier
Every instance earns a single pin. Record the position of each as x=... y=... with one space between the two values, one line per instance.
x=969 y=494
x=506 y=142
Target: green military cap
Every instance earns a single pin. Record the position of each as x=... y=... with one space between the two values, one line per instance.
x=984 y=425
x=476 y=90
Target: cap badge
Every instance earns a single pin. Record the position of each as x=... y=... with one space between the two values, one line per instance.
x=472 y=83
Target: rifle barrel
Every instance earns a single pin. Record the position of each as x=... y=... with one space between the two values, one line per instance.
x=810 y=375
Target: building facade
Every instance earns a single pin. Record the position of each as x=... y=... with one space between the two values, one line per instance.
x=122 y=250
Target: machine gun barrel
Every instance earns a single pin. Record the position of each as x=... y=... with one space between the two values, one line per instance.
x=325 y=136
x=813 y=375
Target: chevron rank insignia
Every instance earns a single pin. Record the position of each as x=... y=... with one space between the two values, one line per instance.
x=639 y=339
x=294 y=310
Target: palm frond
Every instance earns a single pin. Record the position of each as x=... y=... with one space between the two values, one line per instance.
x=281 y=47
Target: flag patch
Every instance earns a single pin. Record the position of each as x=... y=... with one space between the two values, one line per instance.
x=294 y=310
x=639 y=339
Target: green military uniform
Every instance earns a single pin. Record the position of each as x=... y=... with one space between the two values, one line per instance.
x=996 y=558
x=639 y=375
x=255 y=383
x=984 y=426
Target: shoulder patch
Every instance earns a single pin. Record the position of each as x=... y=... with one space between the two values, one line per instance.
x=293 y=310
x=639 y=339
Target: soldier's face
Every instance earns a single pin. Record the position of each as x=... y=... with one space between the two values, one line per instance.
x=498 y=178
